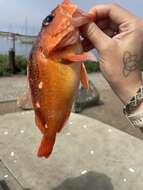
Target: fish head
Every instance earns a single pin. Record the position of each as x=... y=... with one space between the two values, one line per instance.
x=61 y=27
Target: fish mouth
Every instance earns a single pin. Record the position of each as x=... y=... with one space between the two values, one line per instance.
x=70 y=39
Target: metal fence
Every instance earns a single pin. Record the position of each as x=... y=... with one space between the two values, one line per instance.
x=12 y=44
x=20 y=43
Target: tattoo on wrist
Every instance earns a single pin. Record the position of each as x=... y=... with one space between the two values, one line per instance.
x=131 y=63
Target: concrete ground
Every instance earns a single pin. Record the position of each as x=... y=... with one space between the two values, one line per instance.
x=88 y=155
x=12 y=87
x=109 y=112
x=7 y=180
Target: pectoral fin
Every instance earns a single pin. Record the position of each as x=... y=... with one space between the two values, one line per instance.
x=78 y=57
x=75 y=57
x=84 y=77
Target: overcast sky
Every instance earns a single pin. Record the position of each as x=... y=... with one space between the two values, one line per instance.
x=15 y=13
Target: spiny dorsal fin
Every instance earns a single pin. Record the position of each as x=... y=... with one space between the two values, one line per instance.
x=66 y=1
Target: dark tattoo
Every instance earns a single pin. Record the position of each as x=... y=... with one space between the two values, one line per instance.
x=131 y=63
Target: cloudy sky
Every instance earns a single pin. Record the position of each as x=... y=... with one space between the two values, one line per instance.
x=15 y=15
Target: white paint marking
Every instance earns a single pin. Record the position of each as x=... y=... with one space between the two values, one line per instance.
x=85 y=126
x=124 y=179
x=84 y=172
x=5 y=176
x=132 y=170
x=22 y=131
x=70 y=123
x=12 y=154
x=92 y=152
x=109 y=130
x=68 y=134
x=6 y=133
x=40 y=85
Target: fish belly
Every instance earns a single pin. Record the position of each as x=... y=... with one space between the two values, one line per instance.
x=55 y=87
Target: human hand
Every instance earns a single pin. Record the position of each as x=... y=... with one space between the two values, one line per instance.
x=118 y=37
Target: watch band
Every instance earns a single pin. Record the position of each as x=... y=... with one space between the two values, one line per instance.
x=134 y=102
x=136 y=118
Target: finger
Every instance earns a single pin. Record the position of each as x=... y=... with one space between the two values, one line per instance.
x=116 y=13
x=87 y=45
x=97 y=37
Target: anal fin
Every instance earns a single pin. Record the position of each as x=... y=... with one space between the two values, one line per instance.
x=39 y=123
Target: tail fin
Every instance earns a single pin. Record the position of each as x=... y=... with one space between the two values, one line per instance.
x=46 y=147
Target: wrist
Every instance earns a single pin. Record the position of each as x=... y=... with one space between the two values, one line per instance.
x=134 y=104
x=134 y=109
x=125 y=92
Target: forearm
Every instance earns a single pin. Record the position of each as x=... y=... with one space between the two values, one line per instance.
x=125 y=92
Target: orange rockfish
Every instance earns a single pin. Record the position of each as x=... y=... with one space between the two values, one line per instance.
x=55 y=69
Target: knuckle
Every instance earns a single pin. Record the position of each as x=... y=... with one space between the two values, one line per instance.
x=139 y=26
x=135 y=26
x=114 y=5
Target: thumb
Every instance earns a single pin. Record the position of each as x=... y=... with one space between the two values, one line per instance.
x=96 y=36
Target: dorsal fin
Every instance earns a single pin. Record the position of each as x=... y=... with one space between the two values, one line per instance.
x=66 y=1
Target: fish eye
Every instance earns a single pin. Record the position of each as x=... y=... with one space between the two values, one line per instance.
x=48 y=19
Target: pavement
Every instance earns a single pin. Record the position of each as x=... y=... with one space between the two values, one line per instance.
x=7 y=180
x=12 y=87
x=88 y=155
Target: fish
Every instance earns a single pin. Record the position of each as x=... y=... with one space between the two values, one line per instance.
x=55 y=69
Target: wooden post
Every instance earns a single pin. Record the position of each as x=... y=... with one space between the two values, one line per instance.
x=12 y=65
x=12 y=61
